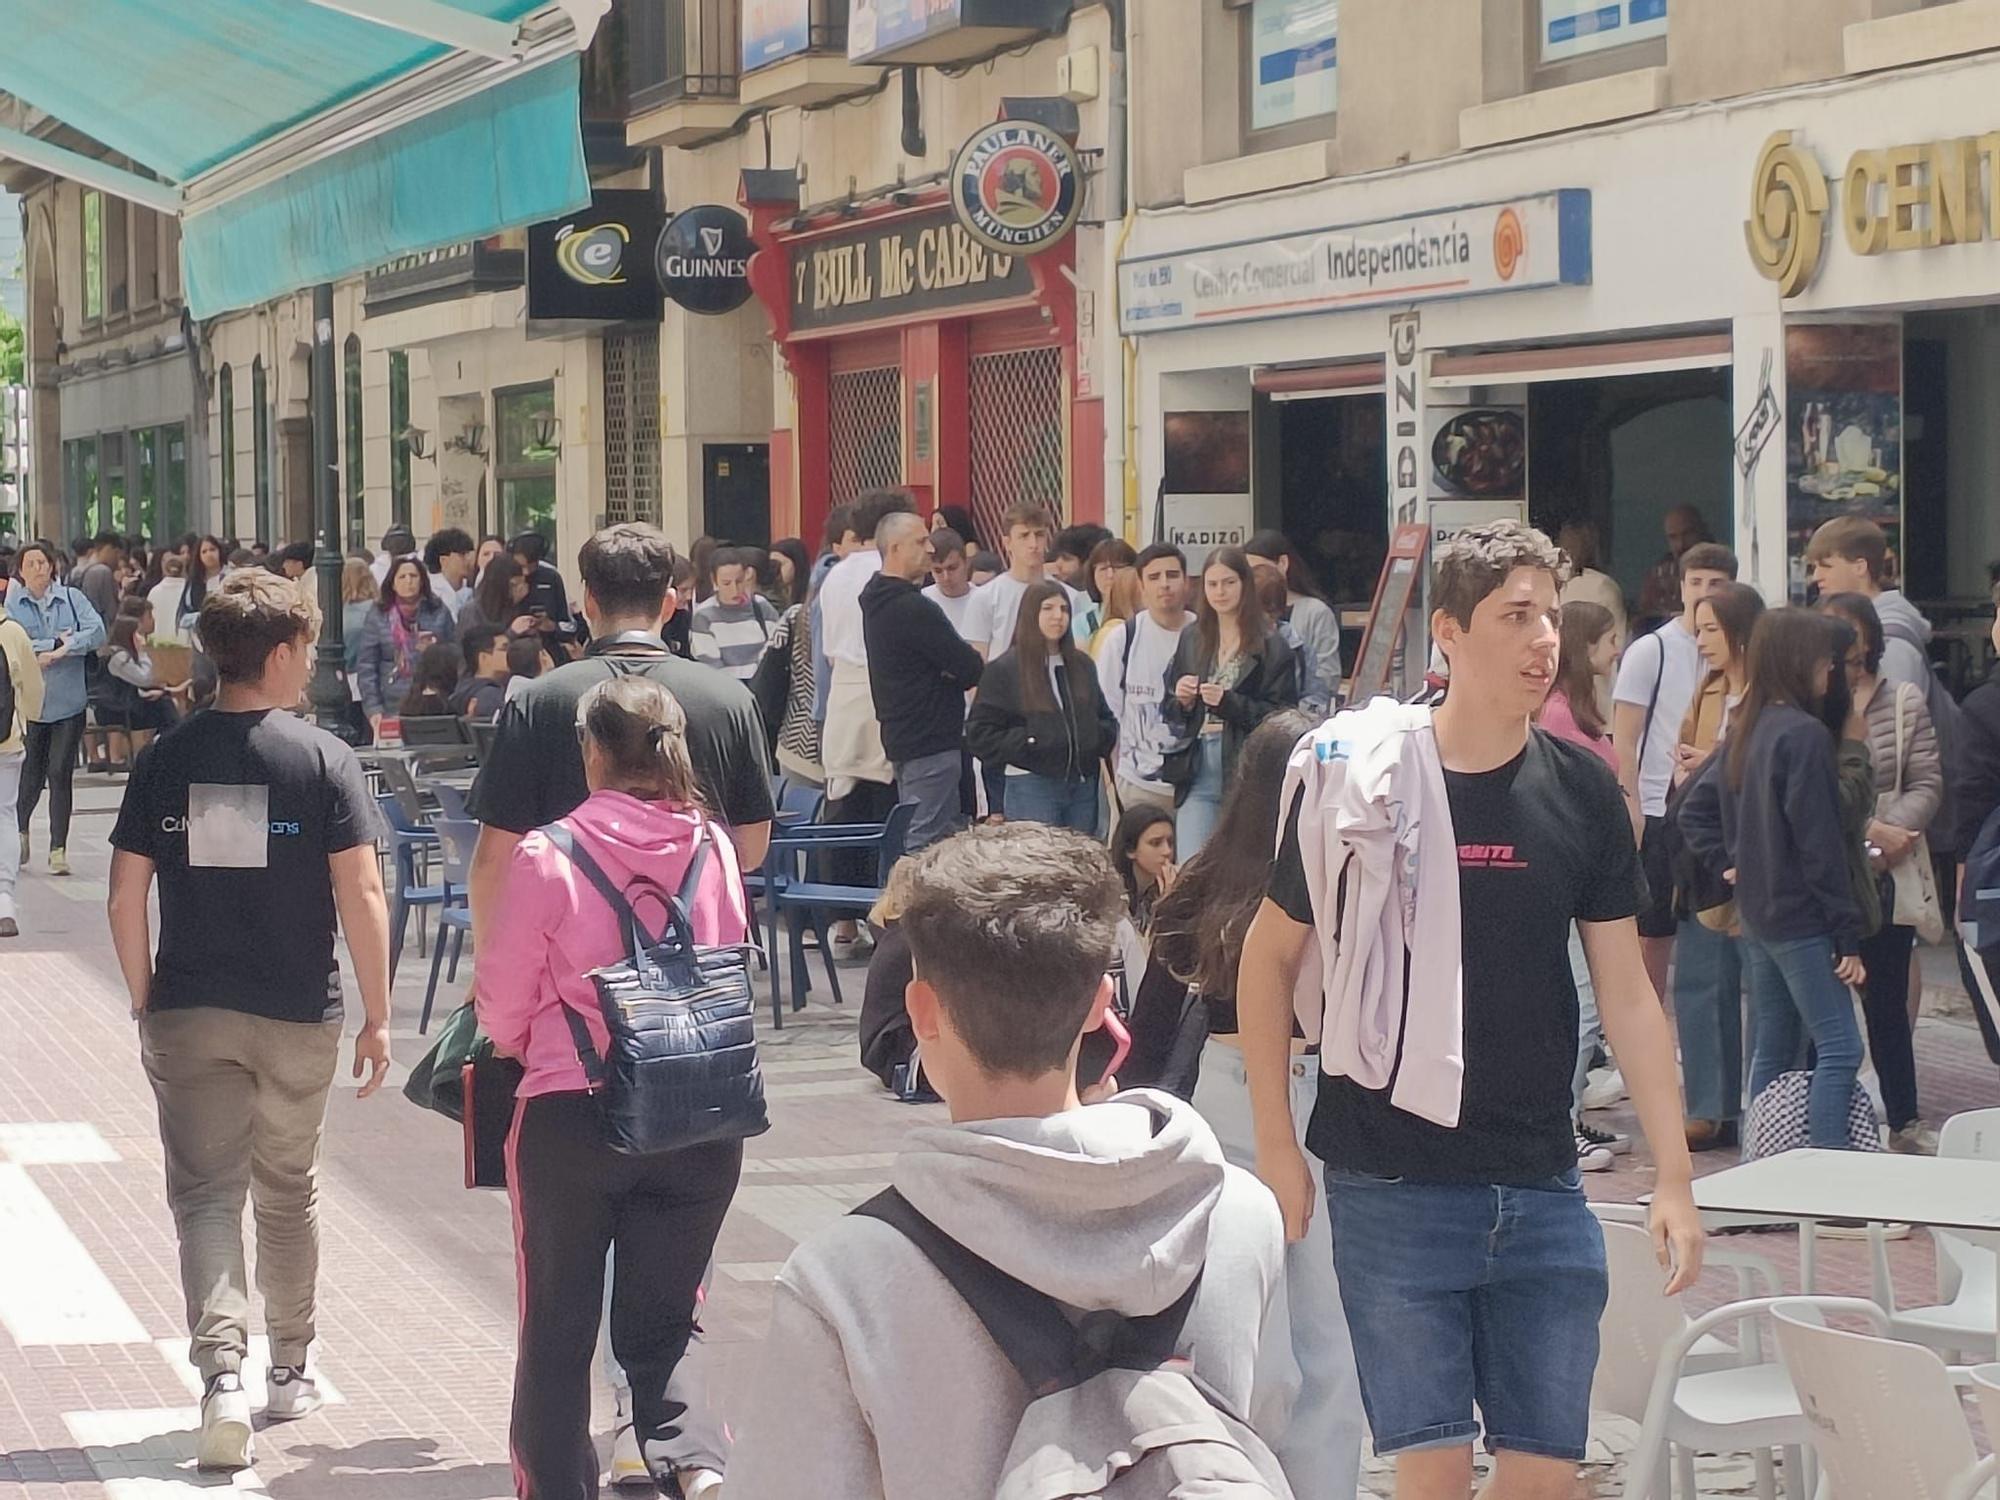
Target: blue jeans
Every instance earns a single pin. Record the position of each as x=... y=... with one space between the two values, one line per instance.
x=1459 y=1293
x=1195 y=820
x=931 y=783
x=1049 y=799
x=1589 y=1024
x=1708 y=1011
x=1795 y=995
x=1308 y=1401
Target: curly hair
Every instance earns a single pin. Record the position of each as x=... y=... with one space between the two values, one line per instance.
x=1479 y=559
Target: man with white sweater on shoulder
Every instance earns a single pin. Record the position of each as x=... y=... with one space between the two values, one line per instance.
x=1444 y=1100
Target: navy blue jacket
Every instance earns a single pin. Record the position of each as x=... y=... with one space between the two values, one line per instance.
x=1780 y=832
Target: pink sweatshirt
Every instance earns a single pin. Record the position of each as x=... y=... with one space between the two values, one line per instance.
x=1559 y=719
x=554 y=928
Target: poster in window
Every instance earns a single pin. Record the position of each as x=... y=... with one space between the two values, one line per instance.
x=1843 y=431
x=775 y=29
x=1293 y=57
x=1206 y=494
x=1573 y=28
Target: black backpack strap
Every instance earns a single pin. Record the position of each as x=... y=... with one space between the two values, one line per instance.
x=565 y=841
x=1652 y=703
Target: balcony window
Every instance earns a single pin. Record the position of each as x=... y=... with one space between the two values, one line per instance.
x=1569 y=29
x=681 y=49
x=775 y=31
x=1293 y=57
x=93 y=256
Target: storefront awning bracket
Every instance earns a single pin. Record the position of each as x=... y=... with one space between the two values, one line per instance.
x=149 y=192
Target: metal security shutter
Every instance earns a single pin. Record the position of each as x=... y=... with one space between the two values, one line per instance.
x=631 y=428
x=864 y=430
x=1017 y=433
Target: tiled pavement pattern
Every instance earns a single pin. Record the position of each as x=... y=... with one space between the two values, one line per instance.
x=417 y=1300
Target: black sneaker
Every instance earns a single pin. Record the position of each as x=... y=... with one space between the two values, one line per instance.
x=1614 y=1141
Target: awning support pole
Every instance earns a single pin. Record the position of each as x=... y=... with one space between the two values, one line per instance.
x=161 y=197
x=434 y=22
x=330 y=698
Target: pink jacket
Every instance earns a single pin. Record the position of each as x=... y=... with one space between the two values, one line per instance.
x=554 y=928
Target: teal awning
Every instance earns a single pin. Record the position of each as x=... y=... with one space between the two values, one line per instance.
x=304 y=140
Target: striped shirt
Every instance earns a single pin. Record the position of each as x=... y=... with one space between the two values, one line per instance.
x=732 y=636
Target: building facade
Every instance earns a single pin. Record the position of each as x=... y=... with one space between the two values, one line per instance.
x=1744 y=258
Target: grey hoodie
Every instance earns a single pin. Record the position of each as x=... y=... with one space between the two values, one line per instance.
x=1903 y=658
x=877 y=1382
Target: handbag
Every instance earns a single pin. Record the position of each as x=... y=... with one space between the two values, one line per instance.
x=681 y=1066
x=464 y=1079
x=1779 y=1118
x=1915 y=878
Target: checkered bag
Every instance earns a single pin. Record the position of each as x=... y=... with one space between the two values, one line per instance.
x=1779 y=1119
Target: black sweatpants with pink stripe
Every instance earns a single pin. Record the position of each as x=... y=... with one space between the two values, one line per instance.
x=574 y=1199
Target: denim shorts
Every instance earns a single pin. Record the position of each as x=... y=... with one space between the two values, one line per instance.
x=1462 y=1294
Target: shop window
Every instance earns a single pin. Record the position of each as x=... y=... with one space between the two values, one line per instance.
x=1016 y=435
x=173 y=481
x=80 y=491
x=260 y=454
x=631 y=427
x=399 y=437
x=111 y=458
x=350 y=377
x=525 y=456
x=1291 y=87
x=146 y=446
x=864 y=431
x=225 y=400
x=1571 y=41
x=93 y=256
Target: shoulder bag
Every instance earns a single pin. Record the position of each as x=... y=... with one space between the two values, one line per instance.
x=1915 y=878
x=681 y=1068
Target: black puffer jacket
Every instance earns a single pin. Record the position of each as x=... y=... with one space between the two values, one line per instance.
x=1066 y=743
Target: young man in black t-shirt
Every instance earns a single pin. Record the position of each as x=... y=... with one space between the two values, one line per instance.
x=1471 y=1269
x=261 y=831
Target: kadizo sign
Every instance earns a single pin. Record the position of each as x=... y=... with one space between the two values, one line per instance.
x=1892 y=199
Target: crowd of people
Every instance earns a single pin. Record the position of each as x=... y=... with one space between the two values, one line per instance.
x=1248 y=1016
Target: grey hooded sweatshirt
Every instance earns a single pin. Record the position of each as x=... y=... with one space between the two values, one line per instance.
x=877 y=1382
x=1906 y=633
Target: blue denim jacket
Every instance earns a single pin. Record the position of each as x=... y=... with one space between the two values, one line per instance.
x=61 y=609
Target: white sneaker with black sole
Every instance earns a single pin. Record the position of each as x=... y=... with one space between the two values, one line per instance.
x=1591 y=1158
x=290 y=1393
x=1614 y=1141
x=224 y=1442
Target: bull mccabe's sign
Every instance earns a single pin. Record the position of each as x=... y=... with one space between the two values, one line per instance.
x=1915 y=197
x=923 y=263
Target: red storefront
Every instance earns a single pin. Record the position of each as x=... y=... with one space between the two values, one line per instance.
x=922 y=359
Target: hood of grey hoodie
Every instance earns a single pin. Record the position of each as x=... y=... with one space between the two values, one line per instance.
x=1891 y=605
x=1107 y=1206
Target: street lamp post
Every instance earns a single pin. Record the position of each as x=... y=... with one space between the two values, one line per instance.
x=329 y=688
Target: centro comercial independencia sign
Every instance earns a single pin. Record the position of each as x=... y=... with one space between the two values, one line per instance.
x=1918 y=197
x=1513 y=246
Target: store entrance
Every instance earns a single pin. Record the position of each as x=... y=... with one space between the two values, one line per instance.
x=1622 y=453
x=1322 y=479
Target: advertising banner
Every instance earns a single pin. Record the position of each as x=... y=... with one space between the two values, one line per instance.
x=1572 y=28
x=775 y=29
x=1843 y=431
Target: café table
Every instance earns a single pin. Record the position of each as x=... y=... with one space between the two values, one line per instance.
x=1811 y=1186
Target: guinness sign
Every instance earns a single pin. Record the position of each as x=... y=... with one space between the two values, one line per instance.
x=702 y=259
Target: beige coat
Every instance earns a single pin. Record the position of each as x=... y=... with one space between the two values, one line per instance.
x=27 y=675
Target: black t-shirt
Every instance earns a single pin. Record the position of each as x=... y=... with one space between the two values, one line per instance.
x=479 y=698
x=534 y=773
x=1541 y=841
x=239 y=812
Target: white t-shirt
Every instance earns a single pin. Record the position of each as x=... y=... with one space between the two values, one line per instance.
x=958 y=611
x=840 y=606
x=451 y=598
x=1662 y=669
x=1135 y=690
x=990 y=622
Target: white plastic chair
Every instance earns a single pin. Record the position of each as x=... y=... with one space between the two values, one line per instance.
x=1963 y=1325
x=1645 y=1373
x=1884 y=1415
x=1985 y=1384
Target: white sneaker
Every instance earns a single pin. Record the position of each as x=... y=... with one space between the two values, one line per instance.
x=1614 y=1141
x=699 y=1484
x=1914 y=1139
x=628 y=1464
x=1605 y=1088
x=290 y=1393
x=225 y=1425
x=1591 y=1158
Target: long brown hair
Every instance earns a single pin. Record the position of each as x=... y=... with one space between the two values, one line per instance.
x=1032 y=648
x=1788 y=647
x=641 y=729
x=1583 y=626
x=1198 y=926
x=1251 y=624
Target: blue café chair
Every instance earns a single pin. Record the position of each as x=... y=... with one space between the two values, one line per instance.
x=456 y=838
x=808 y=902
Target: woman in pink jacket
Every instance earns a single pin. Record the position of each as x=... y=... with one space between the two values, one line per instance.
x=574 y=1197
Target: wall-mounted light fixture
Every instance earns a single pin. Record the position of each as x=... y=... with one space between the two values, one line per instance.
x=472 y=441
x=418 y=441
x=545 y=427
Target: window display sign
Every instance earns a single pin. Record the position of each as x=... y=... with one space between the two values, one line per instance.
x=775 y=29
x=1205 y=496
x=1572 y=28
x=1294 y=55
x=1461 y=252
x=1843 y=431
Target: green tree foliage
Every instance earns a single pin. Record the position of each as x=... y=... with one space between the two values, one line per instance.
x=13 y=350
